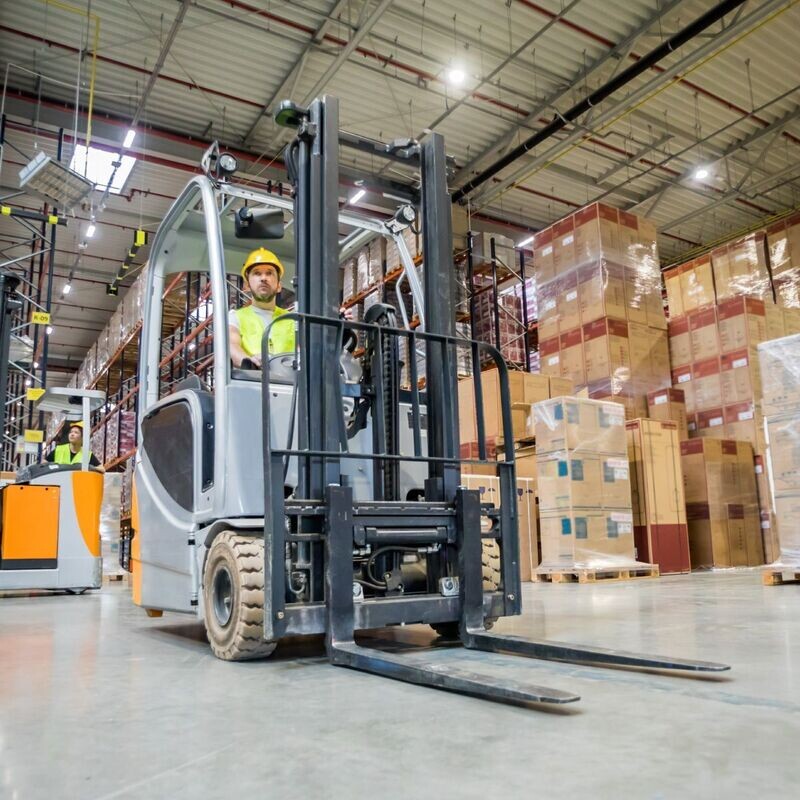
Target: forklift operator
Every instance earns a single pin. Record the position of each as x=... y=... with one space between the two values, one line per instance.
x=71 y=451
x=262 y=273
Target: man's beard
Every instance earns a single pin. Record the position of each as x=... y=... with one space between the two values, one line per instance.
x=265 y=298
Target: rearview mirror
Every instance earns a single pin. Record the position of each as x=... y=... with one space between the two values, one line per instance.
x=259 y=223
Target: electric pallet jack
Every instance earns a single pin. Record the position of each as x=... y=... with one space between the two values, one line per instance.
x=50 y=516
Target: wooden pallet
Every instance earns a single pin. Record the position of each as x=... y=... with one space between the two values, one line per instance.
x=593 y=575
x=116 y=578
x=775 y=577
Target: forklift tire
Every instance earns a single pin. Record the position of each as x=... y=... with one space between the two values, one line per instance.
x=490 y=563
x=233 y=598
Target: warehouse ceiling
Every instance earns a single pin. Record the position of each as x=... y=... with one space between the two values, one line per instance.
x=485 y=74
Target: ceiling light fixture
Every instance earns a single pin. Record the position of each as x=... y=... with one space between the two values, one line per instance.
x=525 y=242
x=129 y=137
x=701 y=173
x=67 y=288
x=90 y=230
x=49 y=329
x=456 y=76
x=357 y=196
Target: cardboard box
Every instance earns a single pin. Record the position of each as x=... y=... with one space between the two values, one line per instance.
x=787 y=509
x=742 y=323
x=561 y=387
x=637 y=289
x=682 y=379
x=572 y=360
x=780 y=374
x=710 y=423
x=601 y=288
x=567 y=479
x=680 y=342
x=723 y=517
x=615 y=481
x=606 y=350
x=669 y=404
x=547 y=296
x=550 y=357
x=672 y=282
x=707 y=384
x=743 y=422
x=697 y=284
x=525 y=389
x=587 y=538
x=740 y=268
x=783 y=431
x=739 y=376
x=703 y=333
x=630 y=252
x=564 y=245
x=658 y=502
x=543 y=255
x=569 y=307
x=596 y=233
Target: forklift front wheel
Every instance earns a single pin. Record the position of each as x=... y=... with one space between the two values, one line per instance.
x=233 y=598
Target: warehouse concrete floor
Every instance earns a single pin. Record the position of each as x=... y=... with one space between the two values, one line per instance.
x=98 y=701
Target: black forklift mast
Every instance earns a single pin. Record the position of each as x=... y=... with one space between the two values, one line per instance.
x=322 y=510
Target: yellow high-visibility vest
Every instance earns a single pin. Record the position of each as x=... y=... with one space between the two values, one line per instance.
x=251 y=331
x=64 y=455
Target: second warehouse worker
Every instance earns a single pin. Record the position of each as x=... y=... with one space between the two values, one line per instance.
x=71 y=452
x=262 y=273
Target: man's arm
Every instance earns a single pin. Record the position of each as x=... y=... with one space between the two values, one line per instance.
x=51 y=456
x=237 y=352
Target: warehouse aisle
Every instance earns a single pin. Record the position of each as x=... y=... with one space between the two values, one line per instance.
x=98 y=701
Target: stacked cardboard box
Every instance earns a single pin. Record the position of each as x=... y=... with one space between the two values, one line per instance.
x=721 y=310
x=525 y=389
x=601 y=318
x=721 y=503
x=585 y=514
x=489 y=488
x=780 y=366
x=669 y=404
x=659 y=506
x=783 y=241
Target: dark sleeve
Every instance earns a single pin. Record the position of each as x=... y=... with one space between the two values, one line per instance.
x=51 y=456
x=93 y=462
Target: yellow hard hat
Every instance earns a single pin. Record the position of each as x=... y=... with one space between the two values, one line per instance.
x=76 y=425
x=262 y=256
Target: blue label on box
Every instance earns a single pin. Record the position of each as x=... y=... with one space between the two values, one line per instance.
x=566 y=526
x=563 y=471
x=573 y=417
x=577 y=469
x=581 y=528
x=558 y=411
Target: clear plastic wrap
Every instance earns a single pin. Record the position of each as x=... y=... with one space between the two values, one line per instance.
x=740 y=268
x=783 y=243
x=780 y=367
x=722 y=507
x=586 y=518
x=659 y=507
x=114 y=329
x=601 y=316
x=109 y=523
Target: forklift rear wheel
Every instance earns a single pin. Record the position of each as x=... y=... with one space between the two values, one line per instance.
x=490 y=563
x=233 y=598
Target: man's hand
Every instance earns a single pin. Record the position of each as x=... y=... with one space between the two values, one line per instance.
x=346 y=313
x=255 y=360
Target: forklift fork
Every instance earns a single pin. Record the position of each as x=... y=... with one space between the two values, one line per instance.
x=343 y=651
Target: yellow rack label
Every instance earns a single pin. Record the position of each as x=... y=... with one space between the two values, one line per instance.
x=34 y=394
x=34 y=436
x=5 y=211
x=140 y=238
x=52 y=219
x=40 y=318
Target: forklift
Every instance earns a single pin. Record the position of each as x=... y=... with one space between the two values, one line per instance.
x=50 y=515
x=351 y=514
